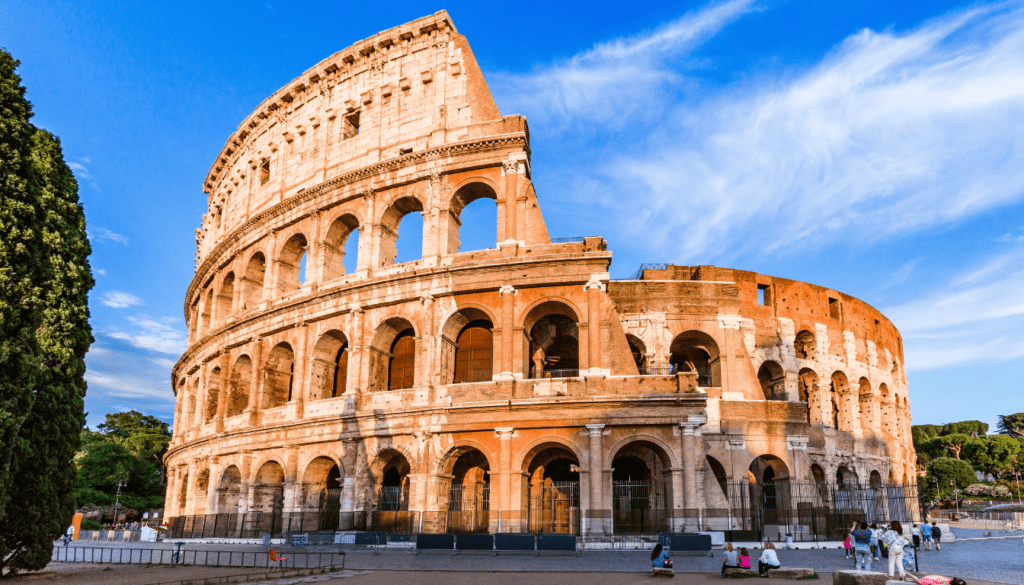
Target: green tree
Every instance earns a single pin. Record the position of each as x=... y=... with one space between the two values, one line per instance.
x=106 y=464
x=143 y=435
x=971 y=428
x=991 y=454
x=921 y=434
x=20 y=265
x=951 y=444
x=41 y=500
x=945 y=469
x=1012 y=424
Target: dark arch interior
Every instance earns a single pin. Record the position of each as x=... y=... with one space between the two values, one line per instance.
x=401 y=366
x=630 y=468
x=474 y=352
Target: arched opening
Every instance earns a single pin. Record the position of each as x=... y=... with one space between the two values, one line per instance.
x=721 y=479
x=474 y=203
x=182 y=495
x=322 y=484
x=388 y=370
x=239 y=385
x=640 y=494
x=336 y=245
x=467 y=347
x=268 y=497
x=639 y=351
x=252 y=285
x=402 y=237
x=839 y=394
x=866 y=406
x=554 y=489
x=875 y=480
x=291 y=270
x=391 y=489
x=805 y=345
x=280 y=370
x=469 y=492
x=769 y=481
x=818 y=474
x=229 y=491
x=329 y=366
x=773 y=381
x=696 y=351
x=202 y=492
x=845 y=478
x=212 y=395
x=190 y=406
x=225 y=297
x=205 y=318
x=554 y=341
x=807 y=383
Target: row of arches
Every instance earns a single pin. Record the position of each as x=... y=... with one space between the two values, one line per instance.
x=303 y=257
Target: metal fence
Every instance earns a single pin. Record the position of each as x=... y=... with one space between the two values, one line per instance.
x=251 y=524
x=209 y=558
x=554 y=507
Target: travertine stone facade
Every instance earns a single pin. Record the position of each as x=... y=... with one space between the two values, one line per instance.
x=506 y=371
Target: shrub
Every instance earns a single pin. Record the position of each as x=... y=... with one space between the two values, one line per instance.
x=978 y=489
x=999 y=491
x=90 y=524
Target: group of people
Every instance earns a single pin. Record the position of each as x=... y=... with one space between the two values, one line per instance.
x=872 y=542
x=740 y=559
x=927 y=534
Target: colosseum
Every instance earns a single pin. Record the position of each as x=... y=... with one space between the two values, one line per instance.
x=516 y=388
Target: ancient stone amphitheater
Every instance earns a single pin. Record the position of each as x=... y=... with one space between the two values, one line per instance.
x=513 y=388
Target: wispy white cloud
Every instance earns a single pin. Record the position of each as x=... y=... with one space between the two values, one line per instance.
x=82 y=171
x=155 y=335
x=103 y=234
x=980 y=315
x=120 y=299
x=100 y=271
x=613 y=82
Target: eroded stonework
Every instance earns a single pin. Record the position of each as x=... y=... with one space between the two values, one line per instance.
x=487 y=380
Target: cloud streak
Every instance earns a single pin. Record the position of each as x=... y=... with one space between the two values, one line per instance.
x=153 y=335
x=120 y=299
x=99 y=234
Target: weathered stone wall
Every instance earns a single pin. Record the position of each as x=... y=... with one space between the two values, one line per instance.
x=369 y=382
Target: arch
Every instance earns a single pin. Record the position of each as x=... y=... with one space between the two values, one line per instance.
x=191 y=404
x=552 y=480
x=205 y=318
x=212 y=395
x=329 y=366
x=252 y=282
x=321 y=483
x=402 y=361
x=840 y=414
x=470 y=358
x=554 y=341
x=465 y=195
x=846 y=477
x=280 y=370
x=334 y=245
x=639 y=350
x=225 y=297
x=291 y=263
x=268 y=489
x=390 y=470
x=389 y=224
x=531 y=451
x=696 y=351
x=772 y=379
x=818 y=475
x=381 y=354
x=182 y=495
x=875 y=479
x=865 y=405
x=718 y=470
x=805 y=344
x=768 y=465
x=640 y=494
x=769 y=483
x=229 y=490
x=239 y=385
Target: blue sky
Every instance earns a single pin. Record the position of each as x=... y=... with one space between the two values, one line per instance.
x=872 y=147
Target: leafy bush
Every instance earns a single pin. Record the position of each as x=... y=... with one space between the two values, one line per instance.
x=999 y=491
x=978 y=489
x=90 y=524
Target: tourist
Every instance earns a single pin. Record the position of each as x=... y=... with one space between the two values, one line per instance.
x=937 y=580
x=848 y=546
x=926 y=536
x=862 y=545
x=69 y=534
x=769 y=560
x=744 y=559
x=659 y=558
x=894 y=540
x=915 y=533
x=732 y=558
x=875 y=549
x=937 y=536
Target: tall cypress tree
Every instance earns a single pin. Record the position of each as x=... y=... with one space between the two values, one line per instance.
x=20 y=267
x=41 y=498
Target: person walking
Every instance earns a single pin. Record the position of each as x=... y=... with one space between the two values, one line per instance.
x=915 y=533
x=875 y=549
x=69 y=534
x=848 y=545
x=937 y=536
x=926 y=536
x=895 y=541
x=862 y=545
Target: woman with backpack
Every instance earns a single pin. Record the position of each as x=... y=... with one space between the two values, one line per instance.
x=894 y=543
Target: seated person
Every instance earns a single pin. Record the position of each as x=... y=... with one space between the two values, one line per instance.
x=769 y=560
x=659 y=558
x=732 y=558
x=937 y=580
x=744 y=559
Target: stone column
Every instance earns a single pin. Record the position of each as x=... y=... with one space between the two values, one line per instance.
x=222 y=396
x=504 y=479
x=300 y=377
x=510 y=170
x=594 y=289
x=347 y=519
x=797 y=445
x=595 y=516
x=256 y=384
x=508 y=337
x=357 y=353
x=688 y=431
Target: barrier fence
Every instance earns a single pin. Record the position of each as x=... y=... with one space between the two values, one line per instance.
x=745 y=511
x=209 y=558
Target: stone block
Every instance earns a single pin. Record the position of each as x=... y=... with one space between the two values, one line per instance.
x=658 y=572
x=738 y=571
x=794 y=573
x=859 y=578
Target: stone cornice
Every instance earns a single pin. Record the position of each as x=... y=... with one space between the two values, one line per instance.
x=260 y=220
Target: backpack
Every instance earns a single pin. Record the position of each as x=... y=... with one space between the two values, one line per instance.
x=884 y=548
x=936 y=531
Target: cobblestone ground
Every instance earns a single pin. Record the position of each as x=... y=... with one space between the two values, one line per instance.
x=997 y=560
